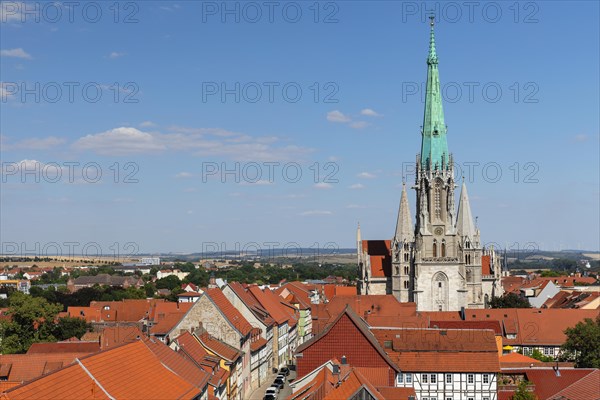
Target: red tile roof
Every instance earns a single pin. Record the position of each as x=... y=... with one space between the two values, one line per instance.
x=485 y=265
x=64 y=347
x=250 y=301
x=25 y=367
x=533 y=326
x=441 y=350
x=148 y=375
x=577 y=383
x=397 y=393
x=350 y=386
x=219 y=348
x=270 y=302
x=493 y=325
x=257 y=344
x=235 y=318
x=380 y=257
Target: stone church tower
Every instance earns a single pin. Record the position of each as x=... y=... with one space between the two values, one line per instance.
x=440 y=263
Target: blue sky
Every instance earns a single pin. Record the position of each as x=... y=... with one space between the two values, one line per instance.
x=191 y=90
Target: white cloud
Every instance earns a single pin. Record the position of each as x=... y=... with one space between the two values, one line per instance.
x=370 y=113
x=120 y=141
x=204 y=142
x=356 y=186
x=116 y=54
x=359 y=124
x=323 y=185
x=581 y=138
x=147 y=124
x=16 y=53
x=315 y=212
x=337 y=116
x=183 y=175
x=366 y=175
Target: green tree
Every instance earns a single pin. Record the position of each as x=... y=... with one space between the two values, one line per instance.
x=32 y=320
x=539 y=356
x=170 y=282
x=582 y=344
x=509 y=300
x=67 y=327
x=522 y=393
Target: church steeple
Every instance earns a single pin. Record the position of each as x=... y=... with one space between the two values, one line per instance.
x=434 y=147
x=464 y=222
x=404 y=226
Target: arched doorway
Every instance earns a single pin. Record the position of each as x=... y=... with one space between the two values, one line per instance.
x=440 y=291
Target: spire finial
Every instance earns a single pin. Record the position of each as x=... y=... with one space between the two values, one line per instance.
x=432 y=59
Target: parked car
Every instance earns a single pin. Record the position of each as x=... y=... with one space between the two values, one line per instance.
x=281 y=376
x=285 y=371
x=269 y=397
x=272 y=391
x=279 y=383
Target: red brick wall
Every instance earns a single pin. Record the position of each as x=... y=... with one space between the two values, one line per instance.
x=344 y=339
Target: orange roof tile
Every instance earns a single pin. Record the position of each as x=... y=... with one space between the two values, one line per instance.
x=258 y=344
x=64 y=347
x=25 y=367
x=270 y=302
x=397 y=393
x=379 y=256
x=485 y=265
x=232 y=314
x=218 y=347
x=350 y=386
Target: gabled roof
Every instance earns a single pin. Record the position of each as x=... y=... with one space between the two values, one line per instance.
x=112 y=336
x=572 y=383
x=219 y=348
x=270 y=302
x=250 y=301
x=350 y=386
x=235 y=318
x=397 y=393
x=148 y=375
x=361 y=326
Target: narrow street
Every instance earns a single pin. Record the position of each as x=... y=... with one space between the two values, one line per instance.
x=259 y=393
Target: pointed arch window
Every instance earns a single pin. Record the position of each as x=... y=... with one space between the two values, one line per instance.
x=405 y=257
x=435 y=248
x=443 y=248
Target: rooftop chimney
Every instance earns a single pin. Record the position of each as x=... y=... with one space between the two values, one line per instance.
x=344 y=360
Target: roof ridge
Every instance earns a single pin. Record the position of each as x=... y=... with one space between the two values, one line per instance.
x=94 y=379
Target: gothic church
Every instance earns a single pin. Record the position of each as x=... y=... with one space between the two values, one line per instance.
x=439 y=264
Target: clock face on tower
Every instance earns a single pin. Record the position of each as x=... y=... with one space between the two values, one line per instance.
x=438 y=231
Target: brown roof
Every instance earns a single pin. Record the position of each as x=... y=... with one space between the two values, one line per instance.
x=577 y=383
x=64 y=347
x=167 y=323
x=235 y=318
x=527 y=323
x=219 y=348
x=258 y=343
x=485 y=265
x=441 y=350
x=493 y=325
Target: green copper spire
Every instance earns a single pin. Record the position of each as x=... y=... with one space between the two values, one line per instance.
x=434 y=147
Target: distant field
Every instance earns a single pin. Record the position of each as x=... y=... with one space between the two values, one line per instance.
x=593 y=256
x=61 y=261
